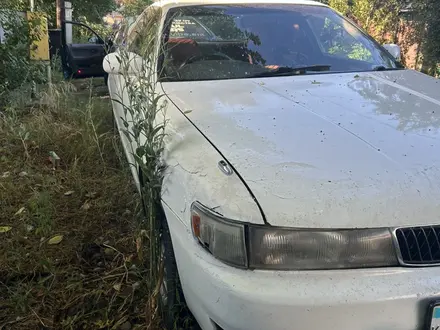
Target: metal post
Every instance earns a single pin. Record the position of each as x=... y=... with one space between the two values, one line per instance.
x=68 y=17
x=63 y=39
x=49 y=77
x=34 y=86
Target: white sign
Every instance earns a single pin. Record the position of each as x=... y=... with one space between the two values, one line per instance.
x=68 y=17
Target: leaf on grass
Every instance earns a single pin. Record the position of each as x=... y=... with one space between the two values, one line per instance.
x=91 y=195
x=139 y=245
x=20 y=211
x=5 y=229
x=55 y=240
x=117 y=286
x=139 y=249
x=109 y=251
x=187 y=112
x=68 y=193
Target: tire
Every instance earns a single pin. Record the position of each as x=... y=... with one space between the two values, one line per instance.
x=174 y=311
x=172 y=306
x=172 y=302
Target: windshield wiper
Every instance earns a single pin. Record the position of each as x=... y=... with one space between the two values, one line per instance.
x=383 y=68
x=292 y=71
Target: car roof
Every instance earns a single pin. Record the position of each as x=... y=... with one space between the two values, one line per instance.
x=178 y=3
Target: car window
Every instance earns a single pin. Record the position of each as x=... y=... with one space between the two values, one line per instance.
x=142 y=39
x=83 y=35
x=123 y=29
x=240 y=41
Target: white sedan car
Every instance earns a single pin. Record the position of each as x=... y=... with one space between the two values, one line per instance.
x=303 y=181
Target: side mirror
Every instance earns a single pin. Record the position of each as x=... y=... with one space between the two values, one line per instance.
x=109 y=42
x=129 y=63
x=394 y=50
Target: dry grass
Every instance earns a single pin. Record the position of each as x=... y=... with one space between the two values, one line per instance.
x=92 y=279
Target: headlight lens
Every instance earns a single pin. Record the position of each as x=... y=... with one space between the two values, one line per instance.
x=264 y=247
x=330 y=249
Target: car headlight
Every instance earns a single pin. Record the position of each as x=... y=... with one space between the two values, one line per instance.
x=264 y=247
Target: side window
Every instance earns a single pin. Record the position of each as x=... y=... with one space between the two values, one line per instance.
x=83 y=35
x=340 y=41
x=121 y=34
x=143 y=37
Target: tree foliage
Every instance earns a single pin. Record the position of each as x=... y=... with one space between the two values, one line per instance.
x=92 y=10
x=428 y=14
x=132 y=8
x=377 y=17
x=16 y=69
x=382 y=19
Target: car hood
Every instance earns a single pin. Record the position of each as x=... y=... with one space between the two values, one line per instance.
x=329 y=150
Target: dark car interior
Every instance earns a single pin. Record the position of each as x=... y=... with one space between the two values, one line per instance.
x=84 y=56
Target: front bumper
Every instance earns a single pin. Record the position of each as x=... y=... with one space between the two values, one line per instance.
x=365 y=299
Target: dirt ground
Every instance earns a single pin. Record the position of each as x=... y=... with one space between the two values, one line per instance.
x=68 y=254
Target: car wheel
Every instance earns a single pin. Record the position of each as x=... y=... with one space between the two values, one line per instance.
x=174 y=312
x=171 y=295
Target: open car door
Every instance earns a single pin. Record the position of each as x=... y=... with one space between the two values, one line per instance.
x=84 y=53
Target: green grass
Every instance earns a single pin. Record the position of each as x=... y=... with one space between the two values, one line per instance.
x=93 y=278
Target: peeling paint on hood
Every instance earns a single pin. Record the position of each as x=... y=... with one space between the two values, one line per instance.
x=328 y=150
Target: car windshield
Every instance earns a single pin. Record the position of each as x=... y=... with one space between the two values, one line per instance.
x=244 y=41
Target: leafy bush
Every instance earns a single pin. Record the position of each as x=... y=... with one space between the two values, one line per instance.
x=17 y=70
x=383 y=20
x=81 y=34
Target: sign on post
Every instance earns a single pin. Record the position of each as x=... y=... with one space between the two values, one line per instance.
x=39 y=48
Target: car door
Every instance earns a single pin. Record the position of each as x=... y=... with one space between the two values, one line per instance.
x=83 y=52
